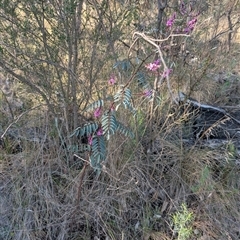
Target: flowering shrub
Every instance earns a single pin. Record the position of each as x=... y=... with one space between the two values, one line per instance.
x=148 y=77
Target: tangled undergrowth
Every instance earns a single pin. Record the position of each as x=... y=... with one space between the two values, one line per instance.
x=144 y=184
x=135 y=197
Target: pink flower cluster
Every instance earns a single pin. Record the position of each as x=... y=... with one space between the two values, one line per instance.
x=171 y=20
x=97 y=113
x=148 y=93
x=167 y=72
x=183 y=10
x=90 y=137
x=190 y=25
x=112 y=80
x=100 y=132
x=154 y=66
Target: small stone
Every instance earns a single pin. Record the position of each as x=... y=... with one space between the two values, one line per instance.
x=196 y=231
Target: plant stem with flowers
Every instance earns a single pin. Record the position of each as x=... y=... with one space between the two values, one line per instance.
x=104 y=111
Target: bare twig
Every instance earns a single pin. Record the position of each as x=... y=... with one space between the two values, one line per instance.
x=16 y=120
x=158 y=82
x=82 y=174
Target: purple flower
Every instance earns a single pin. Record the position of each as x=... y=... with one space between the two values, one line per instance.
x=90 y=139
x=157 y=62
x=167 y=72
x=100 y=132
x=190 y=25
x=112 y=80
x=148 y=93
x=97 y=112
x=153 y=66
x=171 y=20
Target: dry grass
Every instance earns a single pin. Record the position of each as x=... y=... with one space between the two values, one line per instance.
x=133 y=198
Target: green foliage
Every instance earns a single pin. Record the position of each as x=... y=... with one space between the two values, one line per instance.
x=124 y=130
x=124 y=96
x=94 y=105
x=141 y=79
x=100 y=131
x=87 y=130
x=123 y=65
x=98 y=153
x=231 y=150
x=98 y=134
x=182 y=222
x=109 y=124
x=204 y=182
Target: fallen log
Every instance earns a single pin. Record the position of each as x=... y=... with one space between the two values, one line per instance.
x=210 y=121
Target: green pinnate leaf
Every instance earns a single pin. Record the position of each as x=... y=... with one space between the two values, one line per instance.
x=124 y=96
x=99 y=148
x=89 y=129
x=95 y=162
x=109 y=124
x=124 y=65
x=86 y=130
x=76 y=132
x=124 y=130
x=95 y=105
x=128 y=105
x=141 y=79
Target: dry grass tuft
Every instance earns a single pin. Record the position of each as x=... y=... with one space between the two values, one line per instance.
x=133 y=198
